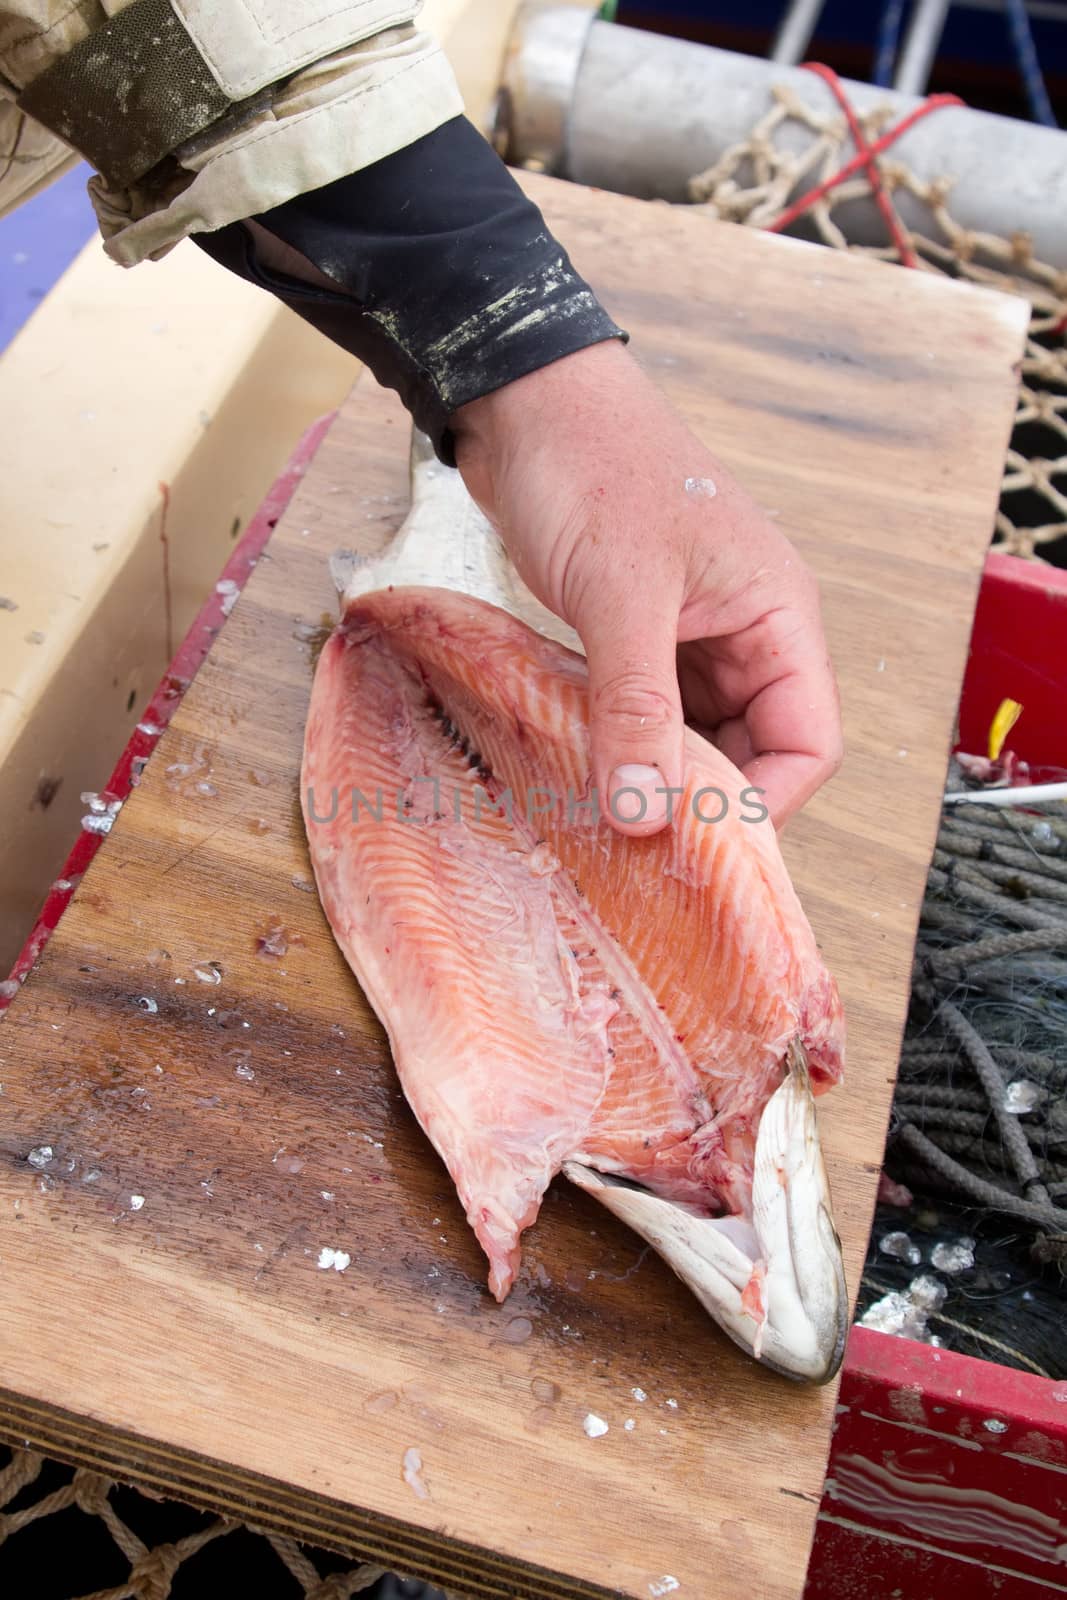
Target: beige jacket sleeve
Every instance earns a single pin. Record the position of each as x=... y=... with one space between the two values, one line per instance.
x=298 y=93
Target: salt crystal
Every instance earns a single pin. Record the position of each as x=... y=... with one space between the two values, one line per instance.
x=40 y=1156
x=339 y=1260
x=906 y=1314
x=229 y=592
x=994 y=1425
x=1022 y=1096
x=662 y=1586
x=211 y=973
x=890 y=1314
x=595 y=1427
x=287 y=1163
x=928 y=1292
x=136 y=1202
x=953 y=1257
x=639 y=1394
x=243 y=1070
x=900 y=1247
x=413 y=1463
x=629 y=1425
x=146 y=1003
x=701 y=488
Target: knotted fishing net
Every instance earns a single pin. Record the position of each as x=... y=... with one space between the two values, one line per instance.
x=971 y=1248
x=972 y=1258
x=752 y=184
x=80 y=1536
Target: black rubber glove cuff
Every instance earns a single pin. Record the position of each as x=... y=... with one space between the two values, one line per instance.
x=449 y=284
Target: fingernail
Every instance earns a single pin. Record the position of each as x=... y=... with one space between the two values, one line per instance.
x=633 y=795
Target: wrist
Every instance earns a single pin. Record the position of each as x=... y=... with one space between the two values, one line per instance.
x=553 y=399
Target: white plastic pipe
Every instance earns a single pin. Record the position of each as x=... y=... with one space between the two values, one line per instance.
x=1030 y=794
x=641 y=114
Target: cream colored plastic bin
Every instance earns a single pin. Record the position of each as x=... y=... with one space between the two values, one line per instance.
x=177 y=374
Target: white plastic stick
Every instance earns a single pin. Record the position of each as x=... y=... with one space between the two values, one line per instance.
x=1008 y=797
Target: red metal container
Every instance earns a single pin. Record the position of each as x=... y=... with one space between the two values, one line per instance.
x=1019 y=652
x=947 y=1477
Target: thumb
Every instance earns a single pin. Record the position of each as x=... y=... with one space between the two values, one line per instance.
x=635 y=712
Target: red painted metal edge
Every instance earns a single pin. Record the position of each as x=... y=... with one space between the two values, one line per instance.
x=944 y=1471
x=168 y=695
x=949 y=1379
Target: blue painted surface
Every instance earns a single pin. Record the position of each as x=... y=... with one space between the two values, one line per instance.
x=38 y=242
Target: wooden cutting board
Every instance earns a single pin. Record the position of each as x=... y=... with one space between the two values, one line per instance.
x=219 y=1102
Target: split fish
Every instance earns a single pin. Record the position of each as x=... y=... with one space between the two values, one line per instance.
x=649 y=1016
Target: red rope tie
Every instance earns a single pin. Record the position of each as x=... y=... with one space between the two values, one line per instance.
x=866 y=158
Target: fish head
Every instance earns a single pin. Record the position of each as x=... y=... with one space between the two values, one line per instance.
x=773 y=1280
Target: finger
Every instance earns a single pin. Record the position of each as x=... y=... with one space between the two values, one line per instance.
x=790 y=776
x=786 y=782
x=635 y=710
x=794 y=727
x=732 y=737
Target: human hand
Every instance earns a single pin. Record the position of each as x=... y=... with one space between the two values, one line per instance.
x=680 y=589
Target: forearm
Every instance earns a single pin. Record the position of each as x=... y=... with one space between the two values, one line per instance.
x=197 y=113
x=432 y=267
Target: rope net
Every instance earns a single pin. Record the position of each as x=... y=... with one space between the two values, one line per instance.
x=143 y=1547
x=981 y=1103
x=848 y=159
x=975 y=1219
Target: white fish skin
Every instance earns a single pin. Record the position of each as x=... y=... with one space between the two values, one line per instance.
x=777 y=1286
x=445 y=541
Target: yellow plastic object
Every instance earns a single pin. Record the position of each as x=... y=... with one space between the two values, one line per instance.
x=1008 y=714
